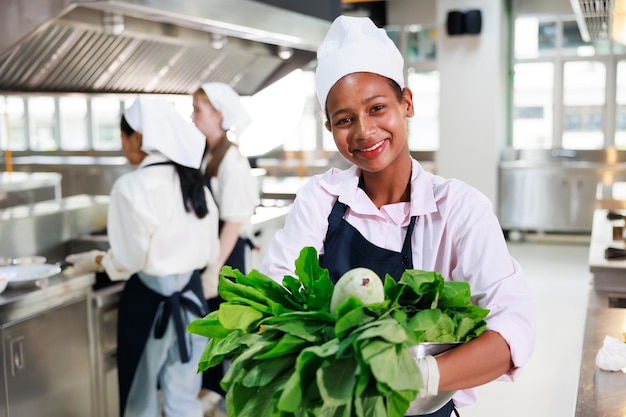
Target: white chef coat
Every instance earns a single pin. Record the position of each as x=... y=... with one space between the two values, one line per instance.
x=149 y=229
x=235 y=190
x=456 y=234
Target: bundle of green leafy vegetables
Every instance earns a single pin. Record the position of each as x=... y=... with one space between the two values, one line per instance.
x=291 y=357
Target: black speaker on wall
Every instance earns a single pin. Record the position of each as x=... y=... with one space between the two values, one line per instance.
x=464 y=22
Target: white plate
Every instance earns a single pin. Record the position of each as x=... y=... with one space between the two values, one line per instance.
x=27 y=275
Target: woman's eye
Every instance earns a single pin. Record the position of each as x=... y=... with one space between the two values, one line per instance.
x=342 y=121
x=377 y=108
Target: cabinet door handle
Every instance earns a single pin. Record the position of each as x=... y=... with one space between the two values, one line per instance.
x=17 y=355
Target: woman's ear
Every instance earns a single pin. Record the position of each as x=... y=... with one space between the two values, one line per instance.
x=407 y=100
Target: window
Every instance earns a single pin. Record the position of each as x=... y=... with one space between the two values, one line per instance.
x=583 y=105
x=532 y=105
x=424 y=125
x=106 y=112
x=620 y=98
x=43 y=126
x=559 y=87
x=13 y=134
x=74 y=126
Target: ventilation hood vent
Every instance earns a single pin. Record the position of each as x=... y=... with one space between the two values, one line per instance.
x=593 y=18
x=151 y=46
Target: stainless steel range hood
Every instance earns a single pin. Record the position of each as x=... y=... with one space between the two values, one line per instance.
x=150 y=46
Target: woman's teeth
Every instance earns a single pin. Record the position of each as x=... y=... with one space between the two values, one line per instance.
x=372 y=147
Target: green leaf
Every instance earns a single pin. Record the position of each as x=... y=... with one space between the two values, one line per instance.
x=455 y=294
x=387 y=329
x=425 y=287
x=315 y=279
x=267 y=286
x=371 y=406
x=302 y=329
x=336 y=380
x=217 y=349
x=435 y=325
x=253 y=402
x=351 y=320
x=291 y=396
x=238 y=317
x=208 y=326
x=286 y=345
x=265 y=371
x=295 y=287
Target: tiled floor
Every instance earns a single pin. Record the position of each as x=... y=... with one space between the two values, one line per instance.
x=559 y=277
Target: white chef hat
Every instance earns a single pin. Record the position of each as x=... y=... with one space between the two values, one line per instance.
x=226 y=100
x=355 y=44
x=163 y=129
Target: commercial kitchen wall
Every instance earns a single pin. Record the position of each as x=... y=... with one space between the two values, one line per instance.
x=473 y=83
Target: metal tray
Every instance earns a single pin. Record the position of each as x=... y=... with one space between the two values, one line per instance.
x=432 y=348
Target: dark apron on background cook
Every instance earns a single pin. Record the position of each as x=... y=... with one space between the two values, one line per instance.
x=237 y=260
x=345 y=248
x=138 y=307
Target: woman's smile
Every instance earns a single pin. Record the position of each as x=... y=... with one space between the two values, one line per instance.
x=371 y=151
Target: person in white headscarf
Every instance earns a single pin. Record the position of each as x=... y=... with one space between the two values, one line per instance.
x=163 y=230
x=388 y=214
x=220 y=116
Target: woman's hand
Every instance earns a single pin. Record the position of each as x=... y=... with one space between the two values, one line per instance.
x=210 y=278
x=85 y=262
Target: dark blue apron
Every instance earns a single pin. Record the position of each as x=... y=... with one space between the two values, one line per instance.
x=346 y=248
x=237 y=259
x=138 y=307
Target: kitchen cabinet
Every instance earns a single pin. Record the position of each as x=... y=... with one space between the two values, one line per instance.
x=47 y=363
x=552 y=197
x=47 y=355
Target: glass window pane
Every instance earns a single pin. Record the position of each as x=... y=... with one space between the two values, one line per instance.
x=41 y=112
x=583 y=104
x=533 y=105
x=106 y=123
x=424 y=125
x=74 y=130
x=620 y=98
x=421 y=44
x=14 y=120
x=534 y=37
x=573 y=43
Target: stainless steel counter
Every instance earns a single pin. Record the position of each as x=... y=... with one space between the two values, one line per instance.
x=15 y=304
x=601 y=393
x=23 y=187
x=608 y=274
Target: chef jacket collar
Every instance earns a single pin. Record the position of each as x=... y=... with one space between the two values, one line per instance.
x=345 y=185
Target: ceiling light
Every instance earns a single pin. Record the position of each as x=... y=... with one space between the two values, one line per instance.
x=285 y=52
x=218 y=40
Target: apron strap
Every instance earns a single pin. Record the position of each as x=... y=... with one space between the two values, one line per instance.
x=173 y=306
